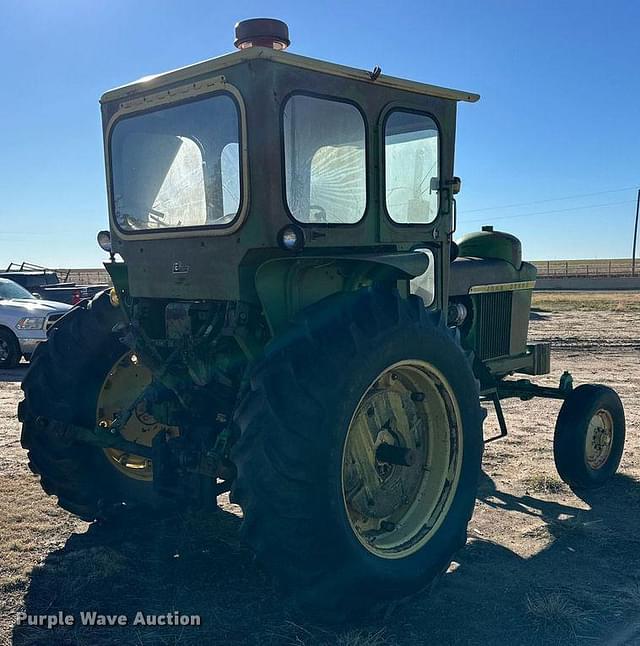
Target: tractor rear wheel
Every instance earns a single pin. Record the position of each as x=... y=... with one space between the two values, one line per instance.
x=83 y=375
x=359 y=453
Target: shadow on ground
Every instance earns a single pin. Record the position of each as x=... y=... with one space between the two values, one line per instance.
x=536 y=314
x=491 y=596
x=15 y=375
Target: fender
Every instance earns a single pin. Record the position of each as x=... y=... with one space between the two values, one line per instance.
x=287 y=285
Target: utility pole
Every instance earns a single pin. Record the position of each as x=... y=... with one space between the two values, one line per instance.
x=635 y=237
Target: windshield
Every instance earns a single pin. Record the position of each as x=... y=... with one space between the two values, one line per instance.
x=9 y=290
x=177 y=166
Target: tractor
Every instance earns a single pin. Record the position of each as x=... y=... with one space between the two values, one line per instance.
x=292 y=322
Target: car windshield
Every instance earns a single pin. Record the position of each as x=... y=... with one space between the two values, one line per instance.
x=177 y=166
x=9 y=290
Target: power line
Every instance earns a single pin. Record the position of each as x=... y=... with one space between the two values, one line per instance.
x=553 y=199
x=525 y=215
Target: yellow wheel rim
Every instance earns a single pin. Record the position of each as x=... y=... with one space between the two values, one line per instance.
x=394 y=509
x=125 y=381
x=599 y=440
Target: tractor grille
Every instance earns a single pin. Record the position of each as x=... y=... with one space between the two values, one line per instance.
x=52 y=319
x=494 y=312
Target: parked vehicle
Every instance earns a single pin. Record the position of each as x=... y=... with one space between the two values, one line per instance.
x=291 y=321
x=46 y=283
x=24 y=322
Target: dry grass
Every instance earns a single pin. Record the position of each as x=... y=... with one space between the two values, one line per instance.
x=543 y=483
x=552 y=301
x=559 y=612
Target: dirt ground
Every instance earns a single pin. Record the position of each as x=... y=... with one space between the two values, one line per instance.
x=541 y=566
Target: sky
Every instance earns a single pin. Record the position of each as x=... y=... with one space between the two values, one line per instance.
x=551 y=152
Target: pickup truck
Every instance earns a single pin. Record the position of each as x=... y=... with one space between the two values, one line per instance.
x=24 y=322
x=46 y=283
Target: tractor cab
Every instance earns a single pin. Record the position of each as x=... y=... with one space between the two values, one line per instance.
x=228 y=177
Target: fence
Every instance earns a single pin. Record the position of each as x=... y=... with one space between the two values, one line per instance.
x=598 y=268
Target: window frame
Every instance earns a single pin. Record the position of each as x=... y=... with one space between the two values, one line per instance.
x=165 y=102
x=390 y=110
x=283 y=171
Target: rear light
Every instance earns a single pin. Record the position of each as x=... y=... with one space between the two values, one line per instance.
x=76 y=297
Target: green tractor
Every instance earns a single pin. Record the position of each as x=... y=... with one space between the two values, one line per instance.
x=292 y=322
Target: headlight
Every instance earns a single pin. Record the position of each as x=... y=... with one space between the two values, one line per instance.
x=291 y=238
x=30 y=323
x=104 y=240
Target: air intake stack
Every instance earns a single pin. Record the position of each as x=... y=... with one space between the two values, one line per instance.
x=262 y=32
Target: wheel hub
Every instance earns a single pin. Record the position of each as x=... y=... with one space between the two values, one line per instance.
x=401 y=459
x=599 y=439
x=123 y=384
x=4 y=350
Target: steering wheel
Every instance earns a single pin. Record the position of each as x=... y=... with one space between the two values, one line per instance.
x=322 y=214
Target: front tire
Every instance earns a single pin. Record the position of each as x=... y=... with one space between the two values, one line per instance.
x=296 y=468
x=589 y=436
x=9 y=350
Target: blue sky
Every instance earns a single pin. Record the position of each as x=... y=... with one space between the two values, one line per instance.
x=559 y=115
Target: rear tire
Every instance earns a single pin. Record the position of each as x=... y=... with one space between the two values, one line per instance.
x=589 y=436
x=293 y=426
x=62 y=387
x=9 y=350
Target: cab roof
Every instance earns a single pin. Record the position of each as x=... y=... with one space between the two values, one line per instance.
x=286 y=58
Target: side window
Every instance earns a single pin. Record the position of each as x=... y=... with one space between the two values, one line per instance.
x=411 y=163
x=424 y=285
x=230 y=177
x=325 y=160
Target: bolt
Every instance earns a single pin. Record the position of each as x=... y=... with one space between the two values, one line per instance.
x=417 y=397
x=394 y=376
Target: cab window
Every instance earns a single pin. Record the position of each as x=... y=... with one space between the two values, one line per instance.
x=411 y=167
x=325 y=160
x=177 y=166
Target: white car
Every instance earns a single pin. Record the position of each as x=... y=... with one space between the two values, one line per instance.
x=24 y=321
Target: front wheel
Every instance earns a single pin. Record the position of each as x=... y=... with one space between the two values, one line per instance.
x=589 y=436
x=9 y=349
x=359 y=453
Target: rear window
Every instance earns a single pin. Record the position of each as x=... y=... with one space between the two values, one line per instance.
x=178 y=166
x=325 y=160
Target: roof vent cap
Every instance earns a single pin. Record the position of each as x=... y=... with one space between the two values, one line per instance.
x=262 y=32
